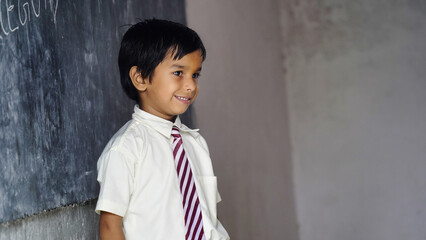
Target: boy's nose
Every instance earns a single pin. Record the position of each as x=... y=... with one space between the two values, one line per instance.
x=190 y=84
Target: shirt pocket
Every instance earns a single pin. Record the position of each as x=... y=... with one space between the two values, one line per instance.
x=211 y=195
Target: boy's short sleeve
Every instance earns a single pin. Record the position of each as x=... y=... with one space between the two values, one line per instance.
x=115 y=176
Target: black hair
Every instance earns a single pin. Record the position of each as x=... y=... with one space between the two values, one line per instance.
x=146 y=44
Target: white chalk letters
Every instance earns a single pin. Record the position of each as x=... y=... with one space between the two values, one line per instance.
x=17 y=13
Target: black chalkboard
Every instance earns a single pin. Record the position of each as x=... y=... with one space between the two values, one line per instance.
x=60 y=96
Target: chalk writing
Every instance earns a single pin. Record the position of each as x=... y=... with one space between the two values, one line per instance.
x=15 y=14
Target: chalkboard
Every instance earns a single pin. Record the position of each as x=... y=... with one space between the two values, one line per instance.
x=60 y=96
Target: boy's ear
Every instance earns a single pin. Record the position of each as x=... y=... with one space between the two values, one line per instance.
x=138 y=81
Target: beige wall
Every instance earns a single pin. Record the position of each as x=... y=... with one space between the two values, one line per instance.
x=350 y=77
x=241 y=111
x=357 y=104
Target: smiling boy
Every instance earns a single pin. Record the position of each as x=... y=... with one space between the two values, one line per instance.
x=173 y=87
x=155 y=174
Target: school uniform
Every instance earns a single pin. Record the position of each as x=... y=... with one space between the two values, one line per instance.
x=138 y=180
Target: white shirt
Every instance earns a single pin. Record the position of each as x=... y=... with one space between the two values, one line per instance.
x=138 y=180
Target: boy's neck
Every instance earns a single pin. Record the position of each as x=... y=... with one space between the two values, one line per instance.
x=171 y=119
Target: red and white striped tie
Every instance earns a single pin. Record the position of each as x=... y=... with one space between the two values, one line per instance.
x=191 y=204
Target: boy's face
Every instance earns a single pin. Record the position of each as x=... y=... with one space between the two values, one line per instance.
x=173 y=87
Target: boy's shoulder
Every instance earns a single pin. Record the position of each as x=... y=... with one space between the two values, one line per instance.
x=130 y=136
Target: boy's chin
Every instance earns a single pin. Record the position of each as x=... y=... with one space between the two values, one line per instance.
x=182 y=110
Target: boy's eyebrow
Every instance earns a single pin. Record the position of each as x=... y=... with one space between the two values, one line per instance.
x=182 y=67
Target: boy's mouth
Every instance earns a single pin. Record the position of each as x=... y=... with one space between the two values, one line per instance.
x=183 y=99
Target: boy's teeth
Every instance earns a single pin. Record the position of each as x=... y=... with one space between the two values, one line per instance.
x=182 y=98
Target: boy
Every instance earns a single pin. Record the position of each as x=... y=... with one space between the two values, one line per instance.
x=155 y=173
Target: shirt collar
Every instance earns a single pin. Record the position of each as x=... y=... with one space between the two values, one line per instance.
x=161 y=125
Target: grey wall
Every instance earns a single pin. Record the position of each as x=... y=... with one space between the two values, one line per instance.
x=76 y=222
x=355 y=72
x=352 y=82
x=241 y=110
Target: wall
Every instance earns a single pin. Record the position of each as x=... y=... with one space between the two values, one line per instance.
x=241 y=110
x=354 y=82
x=355 y=73
x=75 y=222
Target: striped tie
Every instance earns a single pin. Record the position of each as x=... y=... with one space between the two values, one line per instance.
x=191 y=204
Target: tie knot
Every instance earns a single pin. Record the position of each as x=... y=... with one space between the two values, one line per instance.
x=175 y=132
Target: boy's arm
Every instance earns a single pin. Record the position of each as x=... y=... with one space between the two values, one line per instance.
x=110 y=227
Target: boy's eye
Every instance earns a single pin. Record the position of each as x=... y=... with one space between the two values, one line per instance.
x=178 y=73
x=196 y=75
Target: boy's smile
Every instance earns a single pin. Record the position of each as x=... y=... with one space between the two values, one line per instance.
x=173 y=87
